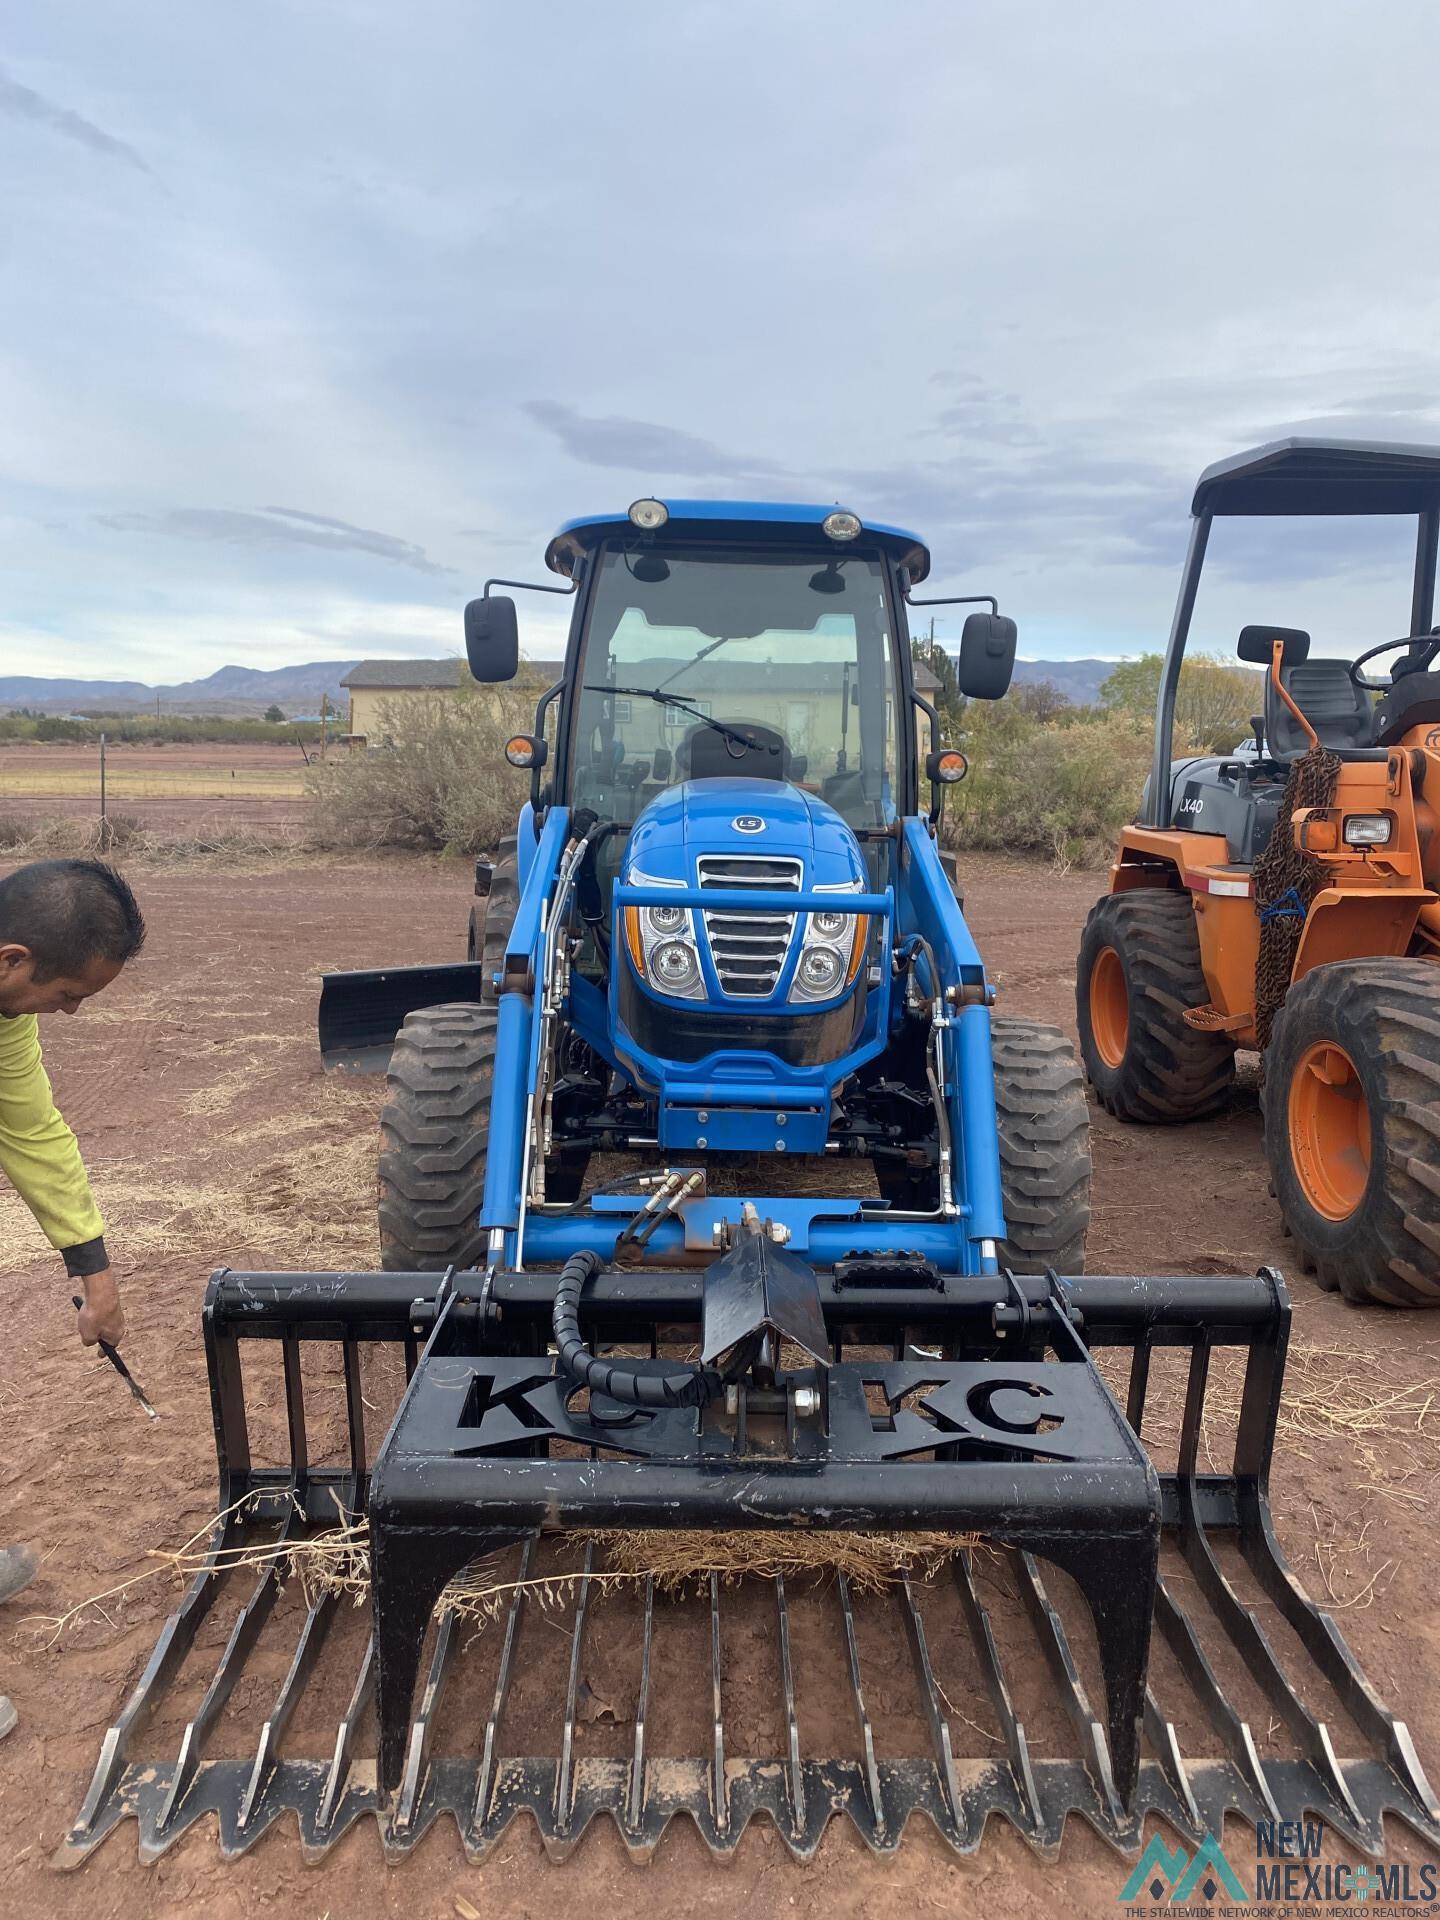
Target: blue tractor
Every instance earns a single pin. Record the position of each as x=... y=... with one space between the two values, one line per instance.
x=724 y=931
x=716 y=1203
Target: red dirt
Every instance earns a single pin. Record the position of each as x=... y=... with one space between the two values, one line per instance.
x=213 y=1137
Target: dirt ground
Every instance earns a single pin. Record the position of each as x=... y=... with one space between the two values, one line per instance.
x=213 y=1138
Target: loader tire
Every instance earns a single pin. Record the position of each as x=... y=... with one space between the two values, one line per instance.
x=434 y=1132
x=1352 y=1127
x=1138 y=972
x=492 y=918
x=1044 y=1127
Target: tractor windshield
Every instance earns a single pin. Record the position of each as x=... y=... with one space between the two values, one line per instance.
x=694 y=664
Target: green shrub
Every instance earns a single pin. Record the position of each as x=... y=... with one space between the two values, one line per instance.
x=441 y=783
x=1062 y=790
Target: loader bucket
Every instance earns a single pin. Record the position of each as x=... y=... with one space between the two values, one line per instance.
x=361 y=1013
x=1102 y=1638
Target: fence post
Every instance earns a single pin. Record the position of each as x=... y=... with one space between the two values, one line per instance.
x=104 y=823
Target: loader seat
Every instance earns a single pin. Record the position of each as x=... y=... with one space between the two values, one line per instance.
x=1339 y=711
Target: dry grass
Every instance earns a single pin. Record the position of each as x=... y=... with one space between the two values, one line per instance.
x=213 y=844
x=337 y=1562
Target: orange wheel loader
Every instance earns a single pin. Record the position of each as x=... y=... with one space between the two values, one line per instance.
x=1286 y=898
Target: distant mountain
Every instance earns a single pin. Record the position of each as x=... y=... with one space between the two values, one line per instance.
x=230 y=691
x=1079 y=680
x=236 y=691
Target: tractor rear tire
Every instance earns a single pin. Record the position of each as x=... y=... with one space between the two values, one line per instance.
x=492 y=918
x=1138 y=972
x=434 y=1133
x=1044 y=1126
x=1352 y=1127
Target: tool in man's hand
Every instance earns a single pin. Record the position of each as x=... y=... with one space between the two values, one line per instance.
x=112 y=1355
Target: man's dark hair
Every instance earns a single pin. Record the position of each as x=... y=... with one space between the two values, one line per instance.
x=70 y=913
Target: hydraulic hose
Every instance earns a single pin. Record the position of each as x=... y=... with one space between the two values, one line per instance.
x=618 y=1379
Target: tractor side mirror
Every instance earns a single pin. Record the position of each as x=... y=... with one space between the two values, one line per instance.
x=492 y=639
x=987 y=656
x=1256 y=644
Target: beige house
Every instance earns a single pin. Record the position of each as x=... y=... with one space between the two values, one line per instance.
x=374 y=683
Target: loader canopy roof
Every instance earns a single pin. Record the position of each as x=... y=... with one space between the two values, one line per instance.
x=1301 y=476
x=744 y=522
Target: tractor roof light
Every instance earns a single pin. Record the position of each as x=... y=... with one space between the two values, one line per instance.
x=948 y=766
x=649 y=515
x=1368 y=829
x=839 y=525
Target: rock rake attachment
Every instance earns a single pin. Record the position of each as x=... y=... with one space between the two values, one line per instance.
x=965 y=1404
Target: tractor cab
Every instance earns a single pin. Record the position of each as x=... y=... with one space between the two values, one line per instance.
x=1308 y=698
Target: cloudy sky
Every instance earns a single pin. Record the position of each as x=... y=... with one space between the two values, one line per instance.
x=316 y=313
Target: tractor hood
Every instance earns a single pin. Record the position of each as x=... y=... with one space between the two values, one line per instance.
x=752 y=820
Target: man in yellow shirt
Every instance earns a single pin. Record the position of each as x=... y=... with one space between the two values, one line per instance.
x=67 y=927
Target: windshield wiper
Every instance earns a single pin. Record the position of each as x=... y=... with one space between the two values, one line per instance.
x=664 y=699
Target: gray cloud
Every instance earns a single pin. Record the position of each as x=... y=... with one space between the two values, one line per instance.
x=276 y=526
x=23 y=103
x=641 y=444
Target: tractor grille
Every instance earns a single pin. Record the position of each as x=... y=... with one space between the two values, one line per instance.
x=749 y=949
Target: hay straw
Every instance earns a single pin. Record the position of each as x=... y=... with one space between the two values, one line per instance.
x=336 y=1563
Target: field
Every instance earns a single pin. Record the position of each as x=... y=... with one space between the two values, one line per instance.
x=213 y=1138
x=165 y=787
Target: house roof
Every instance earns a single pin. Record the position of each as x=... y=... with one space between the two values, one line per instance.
x=404 y=676
x=926 y=680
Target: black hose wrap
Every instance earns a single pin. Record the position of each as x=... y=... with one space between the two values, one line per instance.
x=618 y=1379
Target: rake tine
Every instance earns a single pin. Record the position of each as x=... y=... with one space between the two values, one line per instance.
x=867 y=1737
x=238 y=1648
x=1139 y=1382
x=637 y=1765
x=295 y=1410
x=1055 y=1644
x=1239 y=1623
x=307 y=1651
x=355 y=1415
x=982 y=1636
x=1160 y=1732
x=422 y=1730
x=722 y=1798
x=1175 y=1624
x=171 y=1650
x=486 y=1783
x=564 y=1789
x=792 y=1725
x=345 y=1737
x=1319 y=1636
x=939 y=1726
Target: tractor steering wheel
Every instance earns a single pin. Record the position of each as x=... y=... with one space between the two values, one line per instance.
x=1423 y=660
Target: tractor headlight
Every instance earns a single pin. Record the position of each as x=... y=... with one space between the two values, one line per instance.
x=649 y=515
x=841 y=525
x=1368 y=829
x=833 y=948
x=820 y=969
x=661 y=943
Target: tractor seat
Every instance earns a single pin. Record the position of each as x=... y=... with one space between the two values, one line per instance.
x=708 y=755
x=1339 y=711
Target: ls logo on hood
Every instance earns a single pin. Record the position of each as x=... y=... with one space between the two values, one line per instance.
x=748 y=823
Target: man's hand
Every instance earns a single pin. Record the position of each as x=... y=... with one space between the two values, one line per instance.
x=102 y=1317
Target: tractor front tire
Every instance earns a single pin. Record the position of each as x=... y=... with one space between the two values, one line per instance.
x=1352 y=1127
x=434 y=1133
x=492 y=918
x=1044 y=1126
x=1138 y=972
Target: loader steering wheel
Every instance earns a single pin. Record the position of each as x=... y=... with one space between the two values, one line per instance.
x=1422 y=660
